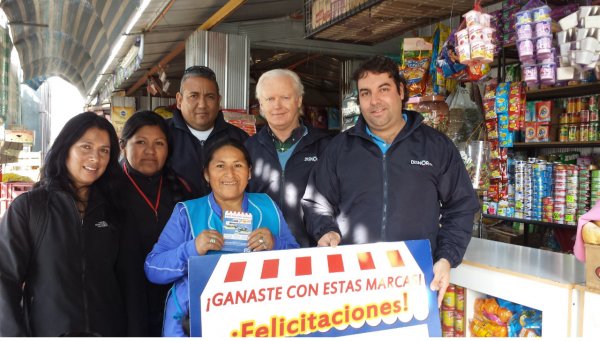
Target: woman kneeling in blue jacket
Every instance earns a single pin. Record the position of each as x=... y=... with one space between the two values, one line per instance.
x=195 y=228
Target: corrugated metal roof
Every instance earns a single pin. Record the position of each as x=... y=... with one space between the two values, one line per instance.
x=73 y=38
x=67 y=38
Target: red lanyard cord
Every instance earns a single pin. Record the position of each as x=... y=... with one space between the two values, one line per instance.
x=155 y=207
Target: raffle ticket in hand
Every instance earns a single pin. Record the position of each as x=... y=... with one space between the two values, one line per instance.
x=237 y=227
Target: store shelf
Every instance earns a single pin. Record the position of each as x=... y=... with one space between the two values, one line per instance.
x=369 y=22
x=529 y=221
x=575 y=144
x=564 y=91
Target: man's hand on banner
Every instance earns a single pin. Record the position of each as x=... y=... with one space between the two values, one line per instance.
x=330 y=239
x=441 y=278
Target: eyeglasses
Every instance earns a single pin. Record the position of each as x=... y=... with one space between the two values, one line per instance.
x=201 y=71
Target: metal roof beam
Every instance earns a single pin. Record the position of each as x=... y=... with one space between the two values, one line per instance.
x=215 y=19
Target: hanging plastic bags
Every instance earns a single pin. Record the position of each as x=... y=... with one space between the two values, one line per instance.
x=464 y=116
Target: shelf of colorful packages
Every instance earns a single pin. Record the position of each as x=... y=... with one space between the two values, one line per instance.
x=530 y=221
x=584 y=89
x=556 y=144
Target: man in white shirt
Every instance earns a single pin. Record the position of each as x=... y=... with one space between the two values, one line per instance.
x=197 y=122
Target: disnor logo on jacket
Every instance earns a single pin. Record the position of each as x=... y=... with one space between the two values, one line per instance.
x=421 y=163
x=311 y=159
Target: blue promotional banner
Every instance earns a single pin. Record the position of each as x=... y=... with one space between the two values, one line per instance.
x=381 y=289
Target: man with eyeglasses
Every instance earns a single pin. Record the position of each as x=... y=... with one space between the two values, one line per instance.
x=197 y=123
x=284 y=152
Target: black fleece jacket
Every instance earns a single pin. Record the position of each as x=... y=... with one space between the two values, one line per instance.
x=286 y=186
x=187 y=154
x=418 y=189
x=145 y=301
x=71 y=277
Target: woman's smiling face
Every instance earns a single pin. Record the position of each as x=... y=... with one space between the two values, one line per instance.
x=88 y=157
x=228 y=173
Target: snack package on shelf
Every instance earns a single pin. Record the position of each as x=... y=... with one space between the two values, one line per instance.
x=436 y=83
x=416 y=55
x=495 y=317
x=240 y=119
x=448 y=63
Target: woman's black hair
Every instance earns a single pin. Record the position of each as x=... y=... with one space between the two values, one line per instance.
x=144 y=118
x=141 y=119
x=55 y=170
x=222 y=142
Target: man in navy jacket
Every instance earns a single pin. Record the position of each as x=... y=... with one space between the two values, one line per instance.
x=197 y=122
x=284 y=152
x=392 y=178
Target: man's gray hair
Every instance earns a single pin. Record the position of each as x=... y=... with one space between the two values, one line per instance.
x=275 y=73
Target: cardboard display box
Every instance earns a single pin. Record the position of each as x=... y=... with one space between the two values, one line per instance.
x=592 y=267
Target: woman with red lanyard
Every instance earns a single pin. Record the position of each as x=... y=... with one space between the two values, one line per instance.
x=150 y=190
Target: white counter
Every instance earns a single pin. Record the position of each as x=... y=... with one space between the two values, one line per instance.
x=525 y=261
x=535 y=278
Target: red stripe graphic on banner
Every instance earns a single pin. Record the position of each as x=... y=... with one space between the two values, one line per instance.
x=395 y=258
x=365 y=261
x=270 y=268
x=303 y=266
x=235 y=273
x=335 y=263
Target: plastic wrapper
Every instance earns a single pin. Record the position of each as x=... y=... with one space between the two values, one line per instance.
x=464 y=117
x=477 y=72
x=502 y=92
x=524 y=321
x=513 y=73
x=489 y=109
x=505 y=136
x=491 y=127
x=493 y=311
x=514 y=105
x=435 y=112
x=416 y=56
x=475 y=156
x=481 y=328
x=448 y=63
x=489 y=92
x=436 y=83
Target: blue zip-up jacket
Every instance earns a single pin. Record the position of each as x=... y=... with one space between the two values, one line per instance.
x=418 y=189
x=168 y=260
x=187 y=153
x=286 y=186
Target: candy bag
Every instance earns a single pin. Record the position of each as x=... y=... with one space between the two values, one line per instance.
x=416 y=56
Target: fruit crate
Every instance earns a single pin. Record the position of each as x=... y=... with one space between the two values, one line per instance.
x=11 y=190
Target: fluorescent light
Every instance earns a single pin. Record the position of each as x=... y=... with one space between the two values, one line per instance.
x=119 y=44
